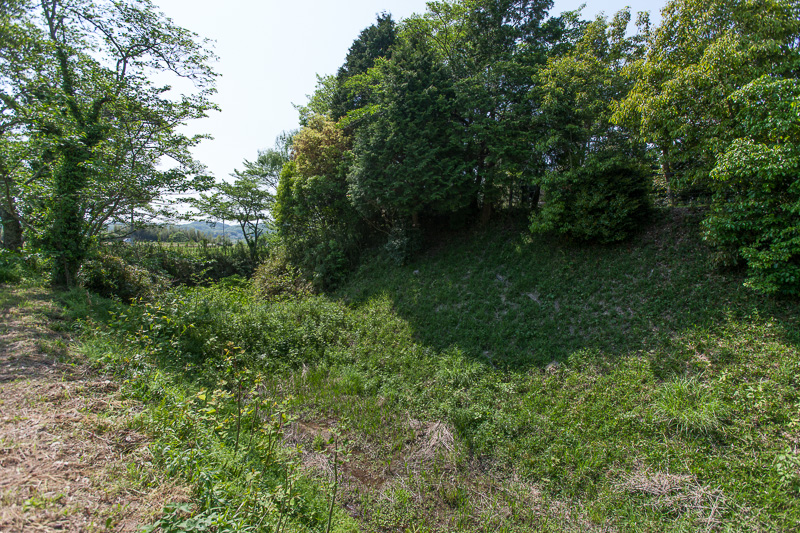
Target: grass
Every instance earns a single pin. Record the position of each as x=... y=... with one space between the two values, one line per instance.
x=514 y=300
x=63 y=434
x=501 y=382
x=689 y=407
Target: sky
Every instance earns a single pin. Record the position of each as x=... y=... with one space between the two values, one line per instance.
x=270 y=52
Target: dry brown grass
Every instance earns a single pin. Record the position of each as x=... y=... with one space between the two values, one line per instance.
x=678 y=494
x=69 y=460
x=430 y=481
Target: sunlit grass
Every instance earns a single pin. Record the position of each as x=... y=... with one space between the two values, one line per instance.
x=628 y=387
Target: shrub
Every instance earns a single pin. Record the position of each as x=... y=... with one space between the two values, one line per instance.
x=755 y=216
x=111 y=276
x=202 y=323
x=602 y=201
x=16 y=267
x=188 y=266
x=182 y=269
x=11 y=268
x=403 y=243
x=276 y=278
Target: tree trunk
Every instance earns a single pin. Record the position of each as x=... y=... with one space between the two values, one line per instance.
x=12 y=230
x=537 y=192
x=67 y=237
x=665 y=168
x=486 y=211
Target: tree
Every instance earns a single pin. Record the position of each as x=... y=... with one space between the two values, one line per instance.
x=268 y=165
x=493 y=49
x=755 y=215
x=246 y=200
x=372 y=43
x=321 y=230
x=12 y=157
x=703 y=52
x=19 y=47
x=597 y=182
x=84 y=99
x=410 y=159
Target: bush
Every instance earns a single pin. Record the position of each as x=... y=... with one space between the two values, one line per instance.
x=604 y=201
x=276 y=278
x=203 y=324
x=11 y=268
x=111 y=276
x=189 y=266
x=755 y=216
x=403 y=243
x=16 y=267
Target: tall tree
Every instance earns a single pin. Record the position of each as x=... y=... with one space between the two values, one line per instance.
x=20 y=65
x=410 y=159
x=101 y=124
x=493 y=49
x=702 y=53
x=597 y=179
x=373 y=43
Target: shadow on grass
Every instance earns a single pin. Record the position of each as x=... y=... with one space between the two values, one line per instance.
x=512 y=300
x=30 y=345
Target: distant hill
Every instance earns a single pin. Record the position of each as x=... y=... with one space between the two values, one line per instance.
x=232 y=231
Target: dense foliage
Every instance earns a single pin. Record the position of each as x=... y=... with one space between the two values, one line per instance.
x=111 y=276
x=435 y=122
x=534 y=373
x=85 y=130
x=321 y=229
x=629 y=386
x=482 y=105
x=756 y=209
x=597 y=183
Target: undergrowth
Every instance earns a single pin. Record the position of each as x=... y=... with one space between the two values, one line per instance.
x=219 y=429
x=503 y=383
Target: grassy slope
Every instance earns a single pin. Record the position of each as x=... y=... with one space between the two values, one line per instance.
x=678 y=400
x=517 y=301
x=504 y=382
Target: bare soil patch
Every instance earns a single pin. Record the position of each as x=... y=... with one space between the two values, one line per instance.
x=70 y=459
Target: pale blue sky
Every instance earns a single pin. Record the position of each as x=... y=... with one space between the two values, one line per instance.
x=270 y=52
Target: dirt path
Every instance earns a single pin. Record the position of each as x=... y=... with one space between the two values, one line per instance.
x=69 y=458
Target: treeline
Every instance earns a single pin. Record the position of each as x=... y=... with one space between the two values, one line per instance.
x=168 y=234
x=477 y=106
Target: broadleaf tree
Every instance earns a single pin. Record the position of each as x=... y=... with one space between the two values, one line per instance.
x=597 y=181
x=755 y=215
x=100 y=128
x=702 y=53
x=247 y=200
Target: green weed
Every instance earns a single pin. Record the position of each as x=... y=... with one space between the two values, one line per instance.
x=689 y=407
x=620 y=387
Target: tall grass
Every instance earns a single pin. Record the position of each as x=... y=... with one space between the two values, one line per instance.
x=510 y=383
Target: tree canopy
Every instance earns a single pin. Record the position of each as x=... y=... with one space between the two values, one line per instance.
x=442 y=119
x=480 y=105
x=77 y=91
